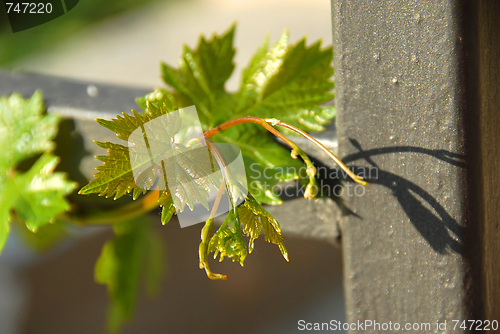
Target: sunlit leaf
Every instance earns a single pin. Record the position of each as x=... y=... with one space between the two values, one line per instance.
x=287 y=82
x=24 y=129
x=202 y=73
x=36 y=196
x=227 y=241
x=189 y=171
x=41 y=192
x=255 y=219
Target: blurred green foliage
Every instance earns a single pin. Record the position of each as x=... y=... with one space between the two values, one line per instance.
x=36 y=196
x=135 y=251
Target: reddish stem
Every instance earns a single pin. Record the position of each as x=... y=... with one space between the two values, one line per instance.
x=248 y=119
x=264 y=123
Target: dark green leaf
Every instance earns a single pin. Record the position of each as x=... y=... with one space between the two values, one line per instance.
x=7 y=198
x=134 y=249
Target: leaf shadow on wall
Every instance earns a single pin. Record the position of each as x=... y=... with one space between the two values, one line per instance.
x=436 y=226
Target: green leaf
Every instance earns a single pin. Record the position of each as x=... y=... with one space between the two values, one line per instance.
x=227 y=241
x=38 y=195
x=215 y=59
x=134 y=250
x=116 y=178
x=202 y=73
x=24 y=129
x=167 y=204
x=154 y=264
x=7 y=197
x=255 y=219
x=41 y=192
x=287 y=82
x=264 y=66
x=160 y=97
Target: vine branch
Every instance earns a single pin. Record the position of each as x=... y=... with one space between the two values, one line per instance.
x=268 y=125
x=150 y=200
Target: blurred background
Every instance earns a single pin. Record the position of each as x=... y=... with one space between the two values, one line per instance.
x=122 y=43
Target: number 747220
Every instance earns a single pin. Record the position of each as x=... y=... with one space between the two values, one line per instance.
x=42 y=8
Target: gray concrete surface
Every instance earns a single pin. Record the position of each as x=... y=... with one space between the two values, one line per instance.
x=401 y=110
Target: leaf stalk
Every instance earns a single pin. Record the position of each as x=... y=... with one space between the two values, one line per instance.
x=268 y=125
